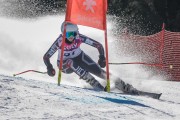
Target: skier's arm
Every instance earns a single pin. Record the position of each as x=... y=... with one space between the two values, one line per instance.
x=93 y=43
x=50 y=52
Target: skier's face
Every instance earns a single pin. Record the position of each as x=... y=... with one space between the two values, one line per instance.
x=70 y=36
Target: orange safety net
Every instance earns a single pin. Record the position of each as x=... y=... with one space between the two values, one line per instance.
x=145 y=49
x=161 y=49
x=171 y=54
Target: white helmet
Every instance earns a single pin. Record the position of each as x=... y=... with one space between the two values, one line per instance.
x=69 y=27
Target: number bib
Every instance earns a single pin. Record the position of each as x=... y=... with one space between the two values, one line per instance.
x=71 y=51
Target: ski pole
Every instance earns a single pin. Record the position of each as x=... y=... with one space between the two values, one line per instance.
x=29 y=71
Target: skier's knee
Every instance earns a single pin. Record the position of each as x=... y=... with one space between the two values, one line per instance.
x=67 y=66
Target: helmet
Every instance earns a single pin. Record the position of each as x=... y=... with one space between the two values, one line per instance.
x=69 y=27
x=71 y=31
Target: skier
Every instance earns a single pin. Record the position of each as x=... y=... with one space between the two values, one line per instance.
x=75 y=60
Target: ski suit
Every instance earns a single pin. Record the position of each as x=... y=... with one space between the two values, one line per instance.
x=75 y=60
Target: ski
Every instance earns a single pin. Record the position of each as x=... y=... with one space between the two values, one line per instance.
x=149 y=94
x=146 y=94
x=129 y=89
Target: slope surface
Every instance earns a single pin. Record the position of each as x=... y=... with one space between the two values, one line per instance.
x=23 y=99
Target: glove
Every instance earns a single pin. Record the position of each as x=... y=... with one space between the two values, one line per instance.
x=105 y=89
x=102 y=61
x=51 y=71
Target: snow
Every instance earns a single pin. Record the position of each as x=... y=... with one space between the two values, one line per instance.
x=33 y=100
x=37 y=96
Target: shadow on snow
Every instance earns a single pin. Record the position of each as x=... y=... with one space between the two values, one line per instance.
x=123 y=101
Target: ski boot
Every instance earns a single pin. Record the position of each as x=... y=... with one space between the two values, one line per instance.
x=92 y=81
x=126 y=88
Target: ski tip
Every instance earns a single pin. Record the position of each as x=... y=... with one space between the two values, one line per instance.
x=158 y=96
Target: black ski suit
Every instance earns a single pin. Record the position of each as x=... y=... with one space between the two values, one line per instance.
x=75 y=60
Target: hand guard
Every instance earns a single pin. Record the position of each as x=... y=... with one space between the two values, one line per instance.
x=51 y=71
x=102 y=61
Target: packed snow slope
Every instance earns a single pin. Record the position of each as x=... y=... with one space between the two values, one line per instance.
x=27 y=99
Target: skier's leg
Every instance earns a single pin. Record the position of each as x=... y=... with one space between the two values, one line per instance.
x=86 y=62
x=70 y=65
x=92 y=81
x=89 y=65
x=126 y=88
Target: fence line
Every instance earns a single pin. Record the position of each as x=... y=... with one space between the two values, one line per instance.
x=162 y=48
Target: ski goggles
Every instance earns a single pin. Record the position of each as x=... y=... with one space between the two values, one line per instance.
x=70 y=35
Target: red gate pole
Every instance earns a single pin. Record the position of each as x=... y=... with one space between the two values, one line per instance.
x=62 y=54
x=106 y=50
x=62 y=49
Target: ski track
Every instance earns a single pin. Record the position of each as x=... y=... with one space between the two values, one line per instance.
x=26 y=99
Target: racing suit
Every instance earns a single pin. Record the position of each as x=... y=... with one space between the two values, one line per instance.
x=75 y=60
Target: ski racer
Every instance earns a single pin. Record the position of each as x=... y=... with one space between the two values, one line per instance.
x=75 y=60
